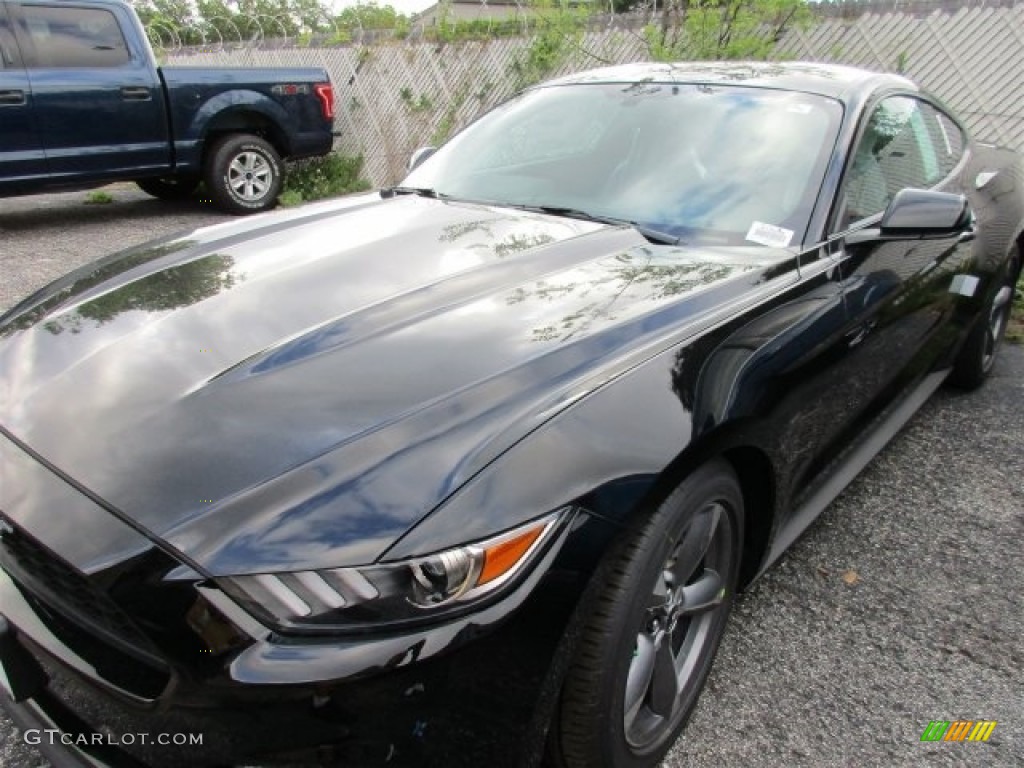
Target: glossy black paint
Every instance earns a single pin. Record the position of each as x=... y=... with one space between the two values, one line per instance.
x=88 y=125
x=248 y=399
x=921 y=212
x=534 y=304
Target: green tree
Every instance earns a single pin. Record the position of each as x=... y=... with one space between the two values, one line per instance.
x=722 y=29
x=557 y=29
x=369 y=16
x=196 y=21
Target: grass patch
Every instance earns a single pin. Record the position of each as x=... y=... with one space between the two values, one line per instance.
x=99 y=197
x=323 y=177
x=1015 y=328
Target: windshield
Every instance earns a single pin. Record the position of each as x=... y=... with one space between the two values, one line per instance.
x=707 y=163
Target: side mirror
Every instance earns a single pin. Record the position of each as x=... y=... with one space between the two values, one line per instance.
x=420 y=155
x=920 y=213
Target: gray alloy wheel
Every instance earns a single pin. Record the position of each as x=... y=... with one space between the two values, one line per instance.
x=648 y=640
x=998 y=319
x=244 y=174
x=676 y=627
x=250 y=176
x=978 y=355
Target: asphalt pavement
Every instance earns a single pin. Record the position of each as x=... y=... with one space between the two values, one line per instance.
x=903 y=604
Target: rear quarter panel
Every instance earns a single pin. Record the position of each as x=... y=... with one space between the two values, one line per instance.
x=993 y=180
x=199 y=98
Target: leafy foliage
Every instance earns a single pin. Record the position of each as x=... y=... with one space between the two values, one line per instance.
x=448 y=30
x=210 y=20
x=99 y=197
x=421 y=103
x=322 y=177
x=1015 y=329
x=722 y=29
x=558 y=29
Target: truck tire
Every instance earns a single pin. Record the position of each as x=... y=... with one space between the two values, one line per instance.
x=172 y=188
x=243 y=174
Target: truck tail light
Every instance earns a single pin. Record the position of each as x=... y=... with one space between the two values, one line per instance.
x=325 y=92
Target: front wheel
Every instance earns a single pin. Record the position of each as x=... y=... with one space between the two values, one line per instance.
x=243 y=174
x=978 y=355
x=647 y=646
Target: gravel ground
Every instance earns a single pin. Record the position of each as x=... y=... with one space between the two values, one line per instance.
x=903 y=604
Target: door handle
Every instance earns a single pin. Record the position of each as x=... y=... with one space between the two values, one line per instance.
x=135 y=93
x=12 y=98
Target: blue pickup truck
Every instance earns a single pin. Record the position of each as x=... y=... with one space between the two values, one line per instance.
x=83 y=103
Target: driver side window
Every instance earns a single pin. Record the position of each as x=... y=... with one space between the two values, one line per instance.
x=896 y=151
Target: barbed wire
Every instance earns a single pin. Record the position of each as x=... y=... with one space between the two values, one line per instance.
x=257 y=31
x=398 y=89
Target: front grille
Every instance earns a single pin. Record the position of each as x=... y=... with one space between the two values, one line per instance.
x=64 y=587
x=69 y=603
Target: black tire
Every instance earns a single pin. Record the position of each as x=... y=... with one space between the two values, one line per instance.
x=593 y=727
x=243 y=174
x=170 y=188
x=978 y=355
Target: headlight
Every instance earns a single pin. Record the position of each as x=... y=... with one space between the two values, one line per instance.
x=386 y=594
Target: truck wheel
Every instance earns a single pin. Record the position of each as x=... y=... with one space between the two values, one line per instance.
x=243 y=174
x=170 y=187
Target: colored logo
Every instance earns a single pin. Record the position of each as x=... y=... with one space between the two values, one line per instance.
x=958 y=730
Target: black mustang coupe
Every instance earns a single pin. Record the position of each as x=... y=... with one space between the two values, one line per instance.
x=468 y=471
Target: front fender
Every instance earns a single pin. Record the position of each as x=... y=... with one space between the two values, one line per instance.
x=622 y=449
x=570 y=458
x=615 y=454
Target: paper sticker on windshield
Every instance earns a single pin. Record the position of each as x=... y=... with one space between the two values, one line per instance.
x=767 y=234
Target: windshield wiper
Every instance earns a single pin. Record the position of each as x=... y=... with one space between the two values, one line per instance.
x=654 y=235
x=433 y=194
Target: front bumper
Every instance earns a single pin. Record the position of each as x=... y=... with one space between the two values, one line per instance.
x=43 y=722
x=469 y=692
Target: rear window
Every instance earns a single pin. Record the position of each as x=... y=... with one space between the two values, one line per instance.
x=74 y=37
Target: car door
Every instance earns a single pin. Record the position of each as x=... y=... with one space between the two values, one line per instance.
x=897 y=297
x=98 y=100
x=21 y=154
x=900 y=294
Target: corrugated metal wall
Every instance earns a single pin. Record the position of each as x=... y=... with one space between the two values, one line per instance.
x=394 y=96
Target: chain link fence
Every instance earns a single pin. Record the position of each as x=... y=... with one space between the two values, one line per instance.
x=396 y=92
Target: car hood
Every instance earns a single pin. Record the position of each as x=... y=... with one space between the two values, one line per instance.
x=301 y=388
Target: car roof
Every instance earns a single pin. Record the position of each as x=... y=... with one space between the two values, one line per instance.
x=838 y=82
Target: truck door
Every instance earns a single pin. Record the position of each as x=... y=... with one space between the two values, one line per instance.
x=97 y=97
x=21 y=154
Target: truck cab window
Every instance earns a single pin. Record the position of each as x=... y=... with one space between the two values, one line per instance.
x=74 y=37
x=6 y=42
